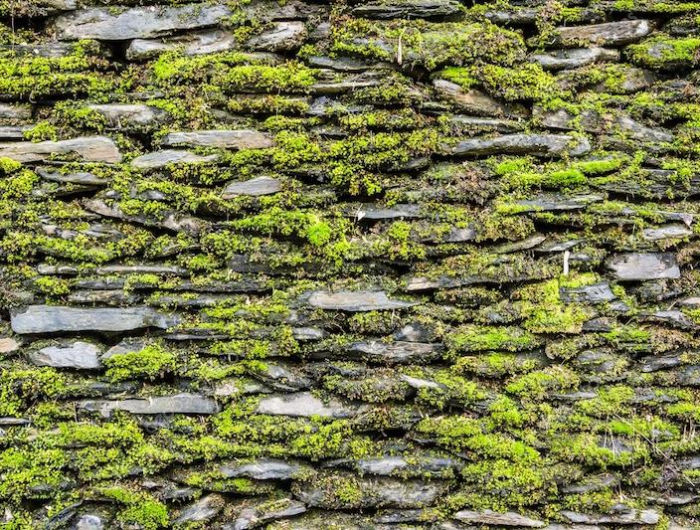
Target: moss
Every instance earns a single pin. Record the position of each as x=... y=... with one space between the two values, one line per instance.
x=140 y=508
x=483 y=338
x=665 y=52
x=539 y=384
x=152 y=362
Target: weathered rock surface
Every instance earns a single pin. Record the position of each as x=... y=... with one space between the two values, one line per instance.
x=253 y=188
x=574 y=57
x=408 y=9
x=302 y=404
x=175 y=404
x=51 y=319
x=243 y=139
x=78 y=354
x=608 y=34
x=137 y=22
x=259 y=515
x=355 y=301
x=500 y=519
x=523 y=144
x=165 y=157
x=630 y=267
x=88 y=149
x=125 y=114
x=283 y=36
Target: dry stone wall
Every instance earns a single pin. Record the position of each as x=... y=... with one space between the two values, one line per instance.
x=370 y=264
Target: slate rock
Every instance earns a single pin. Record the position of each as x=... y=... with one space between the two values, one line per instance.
x=644 y=266
x=10 y=111
x=607 y=34
x=408 y=9
x=8 y=345
x=80 y=177
x=197 y=42
x=283 y=36
x=472 y=101
x=203 y=510
x=136 y=23
x=159 y=159
x=489 y=517
x=395 y=352
x=596 y=293
x=574 y=57
x=375 y=212
x=89 y=522
x=88 y=149
x=376 y=492
x=129 y=114
x=256 y=516
x=670 y=231
x=78 y=354
x=620 y=514
x=255 y=187
x=554 y=203
x=242 y=139
x=523 y=144
x=262 y=469
x=354 y=301
x=176 y=404
x=303 y=405
x=51 y=319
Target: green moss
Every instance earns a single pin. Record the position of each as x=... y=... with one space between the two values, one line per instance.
x=140 y=508
x=539 y=384
x=152 y=362
x=665 y=52
x=483 y=338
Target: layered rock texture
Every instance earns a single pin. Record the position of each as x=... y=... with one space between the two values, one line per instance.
x=363 y=264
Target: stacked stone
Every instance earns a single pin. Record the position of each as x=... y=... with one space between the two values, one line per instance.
x=364 y=264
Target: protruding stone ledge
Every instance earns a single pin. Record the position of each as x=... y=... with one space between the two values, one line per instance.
x=159 y=159
x=607 y=34
x=88 y=149
x=37 y=319
x=176 y=404
x=640 y=267
x=356 y=301
x=303 y=405
x=136 y=23
x=242 y=139
x=523 y=144
x=77 y=355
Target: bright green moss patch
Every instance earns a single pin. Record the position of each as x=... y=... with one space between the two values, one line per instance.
x=483 y=338
x=140 y=508
x=151 y=362
x=666 y=52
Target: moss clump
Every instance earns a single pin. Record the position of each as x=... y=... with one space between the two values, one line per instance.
x=484 y=338
x=140 y=508
x=665 y=52
x=152 y=362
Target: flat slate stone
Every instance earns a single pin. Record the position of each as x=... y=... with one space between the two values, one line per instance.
x=51 y=319
x=644 y=266
x=176 y=404
x=670 y=231
x=204 y=509
x=554 y=203
x=262 y=469
x=523 y=144
x=131 y=114
x=78 y=354
x=621 y=514
x=198 y=42
x=88 y=149
x=472 y=101
x=254 y=187
x=15 y=112
x=165 y=157
x=281 y=37
x=607 y=34
x=80 y=177
x=599 y=292
x=136 y=23
x=497 y=518
x=408 y=9
x=243 y=139
x=574 y=57
x=303 y=405
x=356 y=301
x=257 y=516
x=395 y=352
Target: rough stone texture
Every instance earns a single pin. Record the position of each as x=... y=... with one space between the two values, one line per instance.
x=72 y=355
x=89 y=149
x=52 y=319
x=363 y=265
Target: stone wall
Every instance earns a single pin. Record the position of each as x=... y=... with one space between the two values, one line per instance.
x=370 y=264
